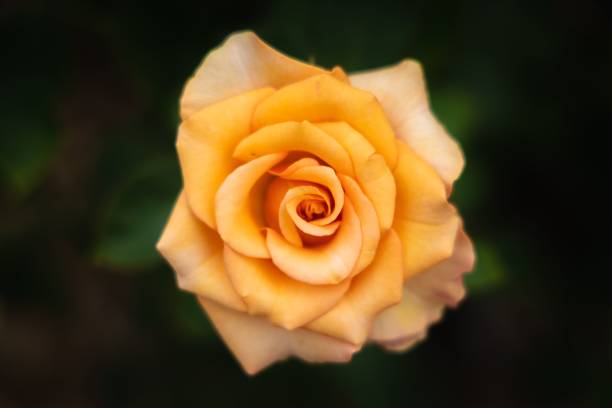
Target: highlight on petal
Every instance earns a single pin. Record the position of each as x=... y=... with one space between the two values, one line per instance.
x=376 y=288
x=325 y=264
x=402 y=92
x=205 y=144
x=425 y=222
x=242 y=63
x=425 y=296
x=323 y=98
x=256 y=343
x=236 y=223
x=372 y=172
x=295 y=136
x=195 y=252
x=370 y=231
x=268 y=291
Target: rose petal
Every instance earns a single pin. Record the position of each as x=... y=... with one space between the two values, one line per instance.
x=324 y=98
x=370 y=233
x=402 y=92
x=256 y=343
x=195 y=252
x=376 y=288
x=294 y=136
x=268 y=291
x=425 y=296
x=426 y=223
x=242 y=63
x=233 y=211
x=326 y=264
x=444 y=281
x=371 y=171
x=205 y=144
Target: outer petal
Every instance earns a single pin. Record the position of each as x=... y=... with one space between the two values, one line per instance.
x=376 y=288
x=196 y=254
x=323 y=265
x=324 y=98
x=425 y=296
x=402 y=92
x=234 y=213
x=371 y=171
x=242 y=63
x=425 y=222
x=294 y=136
x=205 y=144
x=268 y=291
x=256 y=343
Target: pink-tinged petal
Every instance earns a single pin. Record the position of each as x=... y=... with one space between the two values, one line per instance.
x=268 y=291
x=326 y=264
x=425 y=222
x=205 y=144
x=425 y=297
x=236 y=223
x=376 y=288
x=444 y=281
x=402 y=92
x=242 y=63
x=256 y=343
x=295 y=136
x=323 y=98
x=195 y=252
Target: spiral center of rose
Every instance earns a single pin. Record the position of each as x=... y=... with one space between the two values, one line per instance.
x=312 y=209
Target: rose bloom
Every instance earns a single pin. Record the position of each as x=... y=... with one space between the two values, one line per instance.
x=314 y=216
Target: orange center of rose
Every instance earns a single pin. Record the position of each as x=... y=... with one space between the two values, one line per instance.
x=312 y=209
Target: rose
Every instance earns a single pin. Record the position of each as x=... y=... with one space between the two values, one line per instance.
x=314 y=215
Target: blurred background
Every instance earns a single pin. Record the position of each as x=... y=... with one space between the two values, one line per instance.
x=90 y=315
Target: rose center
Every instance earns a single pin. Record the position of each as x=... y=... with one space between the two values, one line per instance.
x=312 y=209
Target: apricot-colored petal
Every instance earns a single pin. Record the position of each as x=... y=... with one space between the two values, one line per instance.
x=370 y=232
x=426 y=223
x=195 y=252
x=268 y=291
x=372 y=172
x=326 y=264
x=444 y=281
x=305 y=226
x=236 y=223
x=425 y=297
x=376 y=288
x=295 y=136
x=402 y=92
x=242 y=63
x=256 y=343
x=324 y=98
x=205 y=144
x=326 y=177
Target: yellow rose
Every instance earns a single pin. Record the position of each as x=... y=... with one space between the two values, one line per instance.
x=314 y=216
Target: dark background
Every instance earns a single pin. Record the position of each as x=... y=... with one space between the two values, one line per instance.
x=90 y=315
